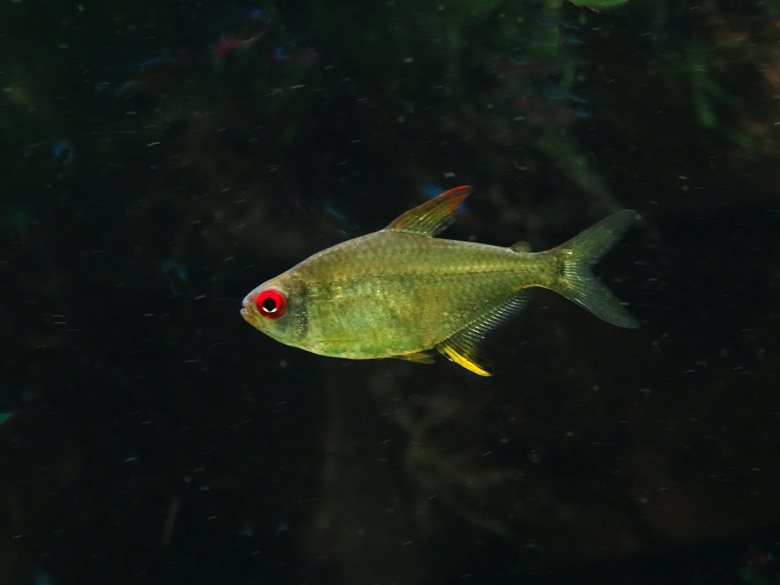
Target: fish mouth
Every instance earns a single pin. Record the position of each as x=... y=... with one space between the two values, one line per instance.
x=245 y=313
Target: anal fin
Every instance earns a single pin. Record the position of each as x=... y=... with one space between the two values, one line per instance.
x=463 y=354
x=462 y=347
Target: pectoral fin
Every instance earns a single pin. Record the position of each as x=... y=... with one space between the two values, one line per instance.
x=420 y=357
x=434 y=215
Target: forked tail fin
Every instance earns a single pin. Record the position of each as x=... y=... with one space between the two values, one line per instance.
x=577 y=283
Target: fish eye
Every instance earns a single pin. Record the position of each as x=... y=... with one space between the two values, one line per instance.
x=271 y=303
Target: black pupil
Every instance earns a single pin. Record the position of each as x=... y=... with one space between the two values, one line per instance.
x=269 y=305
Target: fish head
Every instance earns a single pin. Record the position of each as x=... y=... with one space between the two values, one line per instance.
x=278 y=308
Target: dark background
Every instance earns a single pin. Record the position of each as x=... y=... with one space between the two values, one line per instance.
x=161 y=159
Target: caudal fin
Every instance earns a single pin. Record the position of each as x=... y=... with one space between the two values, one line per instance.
x=578 y=283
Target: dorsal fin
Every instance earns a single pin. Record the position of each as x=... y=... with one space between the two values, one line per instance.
x=433 y=216
x=463 y=347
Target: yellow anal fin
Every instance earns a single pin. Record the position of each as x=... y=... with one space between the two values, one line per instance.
x=463 y=356
x=420 y=357
x=462 y=347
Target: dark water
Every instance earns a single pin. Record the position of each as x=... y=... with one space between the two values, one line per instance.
x=161 y=159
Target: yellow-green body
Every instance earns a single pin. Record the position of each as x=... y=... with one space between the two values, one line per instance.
x=400 y=292
x=395 y=293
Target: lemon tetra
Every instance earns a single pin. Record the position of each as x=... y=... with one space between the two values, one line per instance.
x=401 y=292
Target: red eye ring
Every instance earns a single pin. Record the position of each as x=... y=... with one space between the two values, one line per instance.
x=271 y=303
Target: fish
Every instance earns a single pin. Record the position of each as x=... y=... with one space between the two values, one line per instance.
x=401 y=292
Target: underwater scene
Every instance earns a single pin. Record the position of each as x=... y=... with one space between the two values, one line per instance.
x=408 y=292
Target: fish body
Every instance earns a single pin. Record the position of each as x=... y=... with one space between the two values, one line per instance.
x=401 y=292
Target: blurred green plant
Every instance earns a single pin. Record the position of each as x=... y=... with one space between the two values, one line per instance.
x=695 y=67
